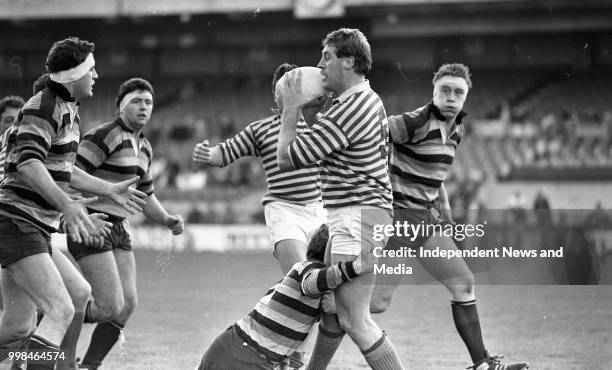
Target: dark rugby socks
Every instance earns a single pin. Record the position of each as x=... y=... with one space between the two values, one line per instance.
x=103 y=339
x=69 y=343
x=467 y=323
x=382 y=355
x=39 y=344
x=324 y=349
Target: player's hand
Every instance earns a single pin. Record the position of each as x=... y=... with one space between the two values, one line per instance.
x=328 y=303
x=96 y=242
x=175 y=224
x=292 y=90
x=128 y=197
x=77 y=221
x=201 y=153
x=102 y=226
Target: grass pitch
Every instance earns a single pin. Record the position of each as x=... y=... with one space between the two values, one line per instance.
x=187 y=299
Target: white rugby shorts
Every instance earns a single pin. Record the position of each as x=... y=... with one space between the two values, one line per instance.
x=293 y=221
x=351 y=229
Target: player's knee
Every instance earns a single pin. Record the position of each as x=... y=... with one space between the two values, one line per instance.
x=467 y=283
x=380 y=304
x=351 y=324
x=130 y=304
x=61 y=312
x=108 y=310
x=81 y=294
x=462 y=285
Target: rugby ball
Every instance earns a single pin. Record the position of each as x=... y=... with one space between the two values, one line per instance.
x=311 y=86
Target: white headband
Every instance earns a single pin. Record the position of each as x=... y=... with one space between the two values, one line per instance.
x=74 y=73
x=127 y=98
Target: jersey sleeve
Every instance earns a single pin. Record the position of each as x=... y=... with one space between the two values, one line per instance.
x=317 y=278
x=94 y=149
x=322 y=139
x=402 y=127
x=241 y=145
x=35 y=134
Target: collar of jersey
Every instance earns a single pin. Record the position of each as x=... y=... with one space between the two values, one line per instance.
x=436 y=112
x=362 y=86
x=60 y=91
x=126 y=127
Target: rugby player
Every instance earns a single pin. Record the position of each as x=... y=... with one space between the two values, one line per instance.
x=293 y=207
x=280 y=322
x=78 y=288
x=115 y=151
x=351 y=142
x=39 y=169
x=424 y=145
x=9 y=109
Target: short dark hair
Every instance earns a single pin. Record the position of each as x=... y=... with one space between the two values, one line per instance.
x=280 y=72
x=455 y=70
x=11 y=101
x=133 y=84
x=40 y=83
x=68 y=53
x=318 y=243
x=350 y=42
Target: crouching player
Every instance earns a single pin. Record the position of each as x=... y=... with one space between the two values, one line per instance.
x=280 y=322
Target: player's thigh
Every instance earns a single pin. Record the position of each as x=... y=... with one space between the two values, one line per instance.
x=126 y=266
x=38 y=277
x=101 y=271
x=287 y=221
x=78 y=288
x=17 y=318
x=449 y=271
x=353 y=297
x=289 y=252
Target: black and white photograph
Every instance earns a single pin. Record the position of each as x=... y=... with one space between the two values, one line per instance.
x=305 y=184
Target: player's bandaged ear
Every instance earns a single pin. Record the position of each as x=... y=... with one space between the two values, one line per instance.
x=74 y=73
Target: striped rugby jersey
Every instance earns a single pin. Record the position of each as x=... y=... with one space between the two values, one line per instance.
x=3 y=142
x=47 y=130
x=421 y=154
x=115 y=153
x=282 y=319
x=260 y=139
x=351 y=140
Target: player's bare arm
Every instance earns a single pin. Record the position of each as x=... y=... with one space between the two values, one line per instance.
x=293 y=101
x=445 y=204
x=78 y=224
x=156 y=212
x=287 y=134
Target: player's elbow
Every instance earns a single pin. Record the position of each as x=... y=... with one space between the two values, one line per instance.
x=284 y=163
